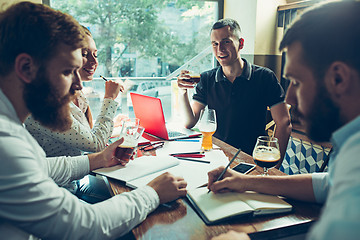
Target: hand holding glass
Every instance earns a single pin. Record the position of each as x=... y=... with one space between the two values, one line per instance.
x=266 y=152
x=131 y=134
x=207 y=127
x=194 y=77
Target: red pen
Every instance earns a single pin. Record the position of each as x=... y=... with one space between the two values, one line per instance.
x=189 y=155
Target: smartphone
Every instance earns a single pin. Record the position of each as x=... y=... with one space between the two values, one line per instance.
x=244 y=167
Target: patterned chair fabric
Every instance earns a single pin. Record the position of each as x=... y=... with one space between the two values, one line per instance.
x=303 y=157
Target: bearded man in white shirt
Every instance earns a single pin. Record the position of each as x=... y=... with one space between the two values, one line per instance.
x=40 y=58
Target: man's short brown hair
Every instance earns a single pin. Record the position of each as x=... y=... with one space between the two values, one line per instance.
x=233 y=24
x=37 y=30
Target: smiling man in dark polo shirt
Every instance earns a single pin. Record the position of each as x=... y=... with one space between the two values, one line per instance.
x=239 y=91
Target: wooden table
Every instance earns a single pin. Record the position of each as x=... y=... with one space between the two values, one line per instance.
x=180 y=221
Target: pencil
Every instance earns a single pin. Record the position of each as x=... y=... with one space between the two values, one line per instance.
x=224 y=171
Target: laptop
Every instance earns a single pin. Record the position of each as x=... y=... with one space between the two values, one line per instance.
x=150 y=112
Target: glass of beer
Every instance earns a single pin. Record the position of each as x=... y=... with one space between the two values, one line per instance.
x=207 y=127
x=266 y=153
x=131 y=134
x=194 y=77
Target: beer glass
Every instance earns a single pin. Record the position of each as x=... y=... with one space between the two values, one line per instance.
x=194 y=77
x=207 y=127
x=131 y=132
x=266 y=153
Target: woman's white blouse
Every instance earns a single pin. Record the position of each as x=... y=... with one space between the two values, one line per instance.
x=80 y=138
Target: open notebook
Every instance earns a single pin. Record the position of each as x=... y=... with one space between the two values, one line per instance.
x=214 y=208
x=138 y=168
x=150 y=112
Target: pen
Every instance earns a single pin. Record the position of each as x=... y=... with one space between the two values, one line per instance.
x=188 y=155
x=193 y=160
x=172 y=154
x=224 y=171
x=121 y=90
x=187 y=140
x=103 y=78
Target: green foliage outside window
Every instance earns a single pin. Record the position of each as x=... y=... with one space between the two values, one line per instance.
x=163 y=33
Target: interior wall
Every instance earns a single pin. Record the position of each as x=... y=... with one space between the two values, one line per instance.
x=266 y=27
x=244 y=12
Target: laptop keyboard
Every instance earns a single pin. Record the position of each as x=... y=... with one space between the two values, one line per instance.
x=175 y=134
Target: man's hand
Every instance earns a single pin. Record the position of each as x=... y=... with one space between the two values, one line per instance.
x=106 y=157
x=231 y=181
x=168 y=187
x=183 y=81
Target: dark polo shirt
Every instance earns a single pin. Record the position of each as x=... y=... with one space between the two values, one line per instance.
x=240 y=106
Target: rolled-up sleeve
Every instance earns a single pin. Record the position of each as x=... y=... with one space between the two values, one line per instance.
x=320 y=182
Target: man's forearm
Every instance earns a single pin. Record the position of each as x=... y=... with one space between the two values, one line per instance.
x=189 y=118
x=297 y=187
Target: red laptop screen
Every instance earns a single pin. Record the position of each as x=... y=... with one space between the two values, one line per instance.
x=150 y=112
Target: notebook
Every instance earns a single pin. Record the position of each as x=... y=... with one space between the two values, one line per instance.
x=214 y=208
x=150 y=112
x=138 y=168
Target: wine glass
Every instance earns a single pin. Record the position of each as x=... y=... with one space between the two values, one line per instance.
x=266 y=153
x=207 y=127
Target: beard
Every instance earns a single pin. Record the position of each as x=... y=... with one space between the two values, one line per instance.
x=323 y=118
x=45 y=103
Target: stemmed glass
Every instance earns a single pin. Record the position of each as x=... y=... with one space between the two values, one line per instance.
x=207 y=127
x=266 y=153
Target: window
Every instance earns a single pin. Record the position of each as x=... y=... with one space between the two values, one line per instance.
x=144 y=43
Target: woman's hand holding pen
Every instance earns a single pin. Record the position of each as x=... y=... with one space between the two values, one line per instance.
x=112 y=89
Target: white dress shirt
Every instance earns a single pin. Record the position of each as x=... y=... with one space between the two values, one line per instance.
x=80 y=138
x=32 y=204
x=340 y=217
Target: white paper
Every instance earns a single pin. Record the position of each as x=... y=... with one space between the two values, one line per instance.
x=194 y=173
x=142 y=170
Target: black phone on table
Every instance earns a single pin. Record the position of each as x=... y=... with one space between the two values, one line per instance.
x=244 y=167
